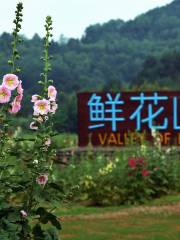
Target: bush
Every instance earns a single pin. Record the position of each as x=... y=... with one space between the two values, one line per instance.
x=124 y=177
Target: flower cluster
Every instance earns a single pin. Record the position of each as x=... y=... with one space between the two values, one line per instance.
x=156 y=138
x=43 y=107
x=11 y=83
x=138 y=164
x=88 y=182
x=107 y=169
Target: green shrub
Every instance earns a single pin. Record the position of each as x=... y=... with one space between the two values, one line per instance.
x=126 y=177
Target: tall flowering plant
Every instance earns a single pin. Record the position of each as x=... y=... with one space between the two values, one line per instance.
x=11 y=91
x=43 y=193
x=11 y=95
x=28 y=192
x=44 y=109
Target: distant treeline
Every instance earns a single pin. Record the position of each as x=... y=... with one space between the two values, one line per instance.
x=114 y=56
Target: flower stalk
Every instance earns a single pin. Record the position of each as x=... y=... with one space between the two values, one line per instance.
x=46 y=58
x=16 y=39
x=9 y=84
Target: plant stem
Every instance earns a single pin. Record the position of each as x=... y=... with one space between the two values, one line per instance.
x=16 y=39
x=46 y=58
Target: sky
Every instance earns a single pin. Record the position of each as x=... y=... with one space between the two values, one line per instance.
x=71 y=17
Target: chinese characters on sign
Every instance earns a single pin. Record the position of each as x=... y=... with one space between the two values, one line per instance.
x=117 y=119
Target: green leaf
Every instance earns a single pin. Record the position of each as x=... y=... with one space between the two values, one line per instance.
x=46 y=217
x=51 y=234
x=55 y=222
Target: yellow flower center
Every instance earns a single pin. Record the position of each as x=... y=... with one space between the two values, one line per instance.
x=10 y=82
x=42 y=106
x=3 y=94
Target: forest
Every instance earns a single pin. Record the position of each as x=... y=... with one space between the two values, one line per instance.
x=143 y=53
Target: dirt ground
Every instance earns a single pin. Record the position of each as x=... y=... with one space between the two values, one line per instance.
x=165 y=210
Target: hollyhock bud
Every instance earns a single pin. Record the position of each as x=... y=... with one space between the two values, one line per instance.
x=23 y=213
x=42 y=179
x=34 y=98
x=52 y=93
x=5 y=94
x=33 y=126
x=10 y=81
x=20 y=90
x=54 y=107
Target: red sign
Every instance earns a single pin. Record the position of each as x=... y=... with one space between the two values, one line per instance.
x=119 y=119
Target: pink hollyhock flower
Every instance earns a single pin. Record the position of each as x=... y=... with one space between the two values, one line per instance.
x=23 y=213
x=33 y=126
x=145 y=173
x=20 y=90
x=19 y=98
x=54 y=107
x=10 y=81
x=16 y=106
x=41 y=107
x=132 y=163
x=35 y=113
x=5 y=94
x=34 y=98
x=42 y=179
x=52 y=93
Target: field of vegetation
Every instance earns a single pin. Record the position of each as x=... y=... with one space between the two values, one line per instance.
x=130 y=194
